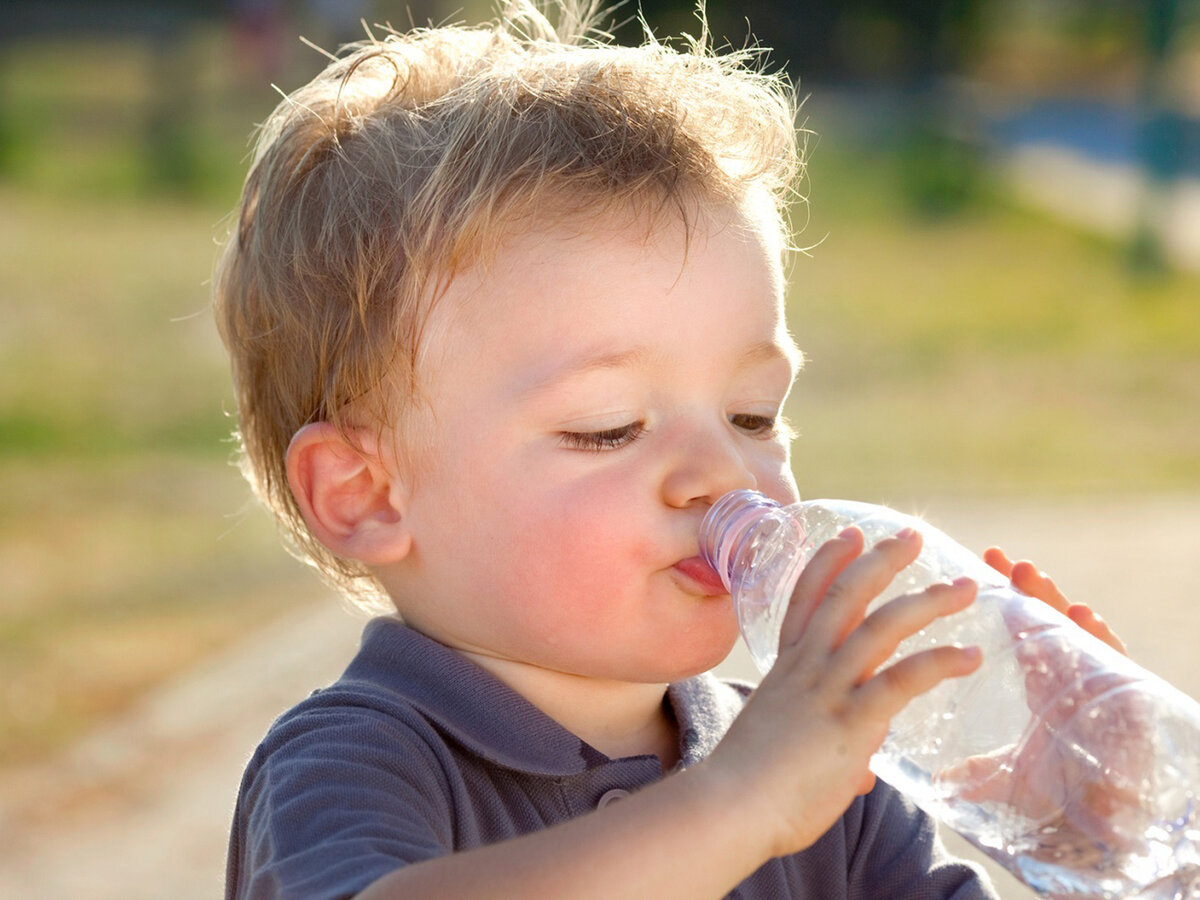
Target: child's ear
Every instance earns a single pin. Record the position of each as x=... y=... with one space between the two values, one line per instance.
x=348 y=495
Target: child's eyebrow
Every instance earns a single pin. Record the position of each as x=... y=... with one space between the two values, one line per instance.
x=553 y=374
x=769 y=351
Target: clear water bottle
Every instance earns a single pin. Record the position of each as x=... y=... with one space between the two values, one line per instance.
x=1074 y=768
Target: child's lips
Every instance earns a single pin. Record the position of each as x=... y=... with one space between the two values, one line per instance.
x=696 y=570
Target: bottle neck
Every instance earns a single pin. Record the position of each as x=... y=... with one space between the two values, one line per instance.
x=727 y=528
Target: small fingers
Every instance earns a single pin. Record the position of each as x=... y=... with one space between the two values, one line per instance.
x=980 y=778
x=862 y=579
x=1083 y=616
x=1029 y=580
x=827 y=564
x=998 y=560
x=1026 y=578
x=889 y=691
x=870 y=644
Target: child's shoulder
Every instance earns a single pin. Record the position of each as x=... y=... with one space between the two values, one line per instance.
x=368 y=718
x=416 y=698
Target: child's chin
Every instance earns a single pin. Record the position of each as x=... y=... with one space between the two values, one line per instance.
x=702 y=660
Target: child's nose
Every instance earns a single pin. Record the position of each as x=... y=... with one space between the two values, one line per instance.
x=705 y=468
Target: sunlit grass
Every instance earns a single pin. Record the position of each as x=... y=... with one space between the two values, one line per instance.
x=986 y=353
x=109 y=344
x=120 y=573
x=129 y=546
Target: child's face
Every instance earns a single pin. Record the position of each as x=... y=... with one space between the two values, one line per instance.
x=592 y=395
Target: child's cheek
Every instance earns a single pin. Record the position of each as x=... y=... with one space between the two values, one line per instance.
x=567 y=588
x=586 y=552
x=583 y=563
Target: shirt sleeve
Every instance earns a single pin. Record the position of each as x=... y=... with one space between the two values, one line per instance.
x=896 y=854
x=333 y=800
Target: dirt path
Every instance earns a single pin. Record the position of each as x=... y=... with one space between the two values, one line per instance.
x=140 y=810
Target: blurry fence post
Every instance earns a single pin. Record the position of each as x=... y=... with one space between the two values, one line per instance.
x=941 y=154
x=170 y=149
x=169 y=152
x=1160 y=138
x=8 y=135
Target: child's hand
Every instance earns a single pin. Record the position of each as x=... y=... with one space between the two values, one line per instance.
x=799 y=751
x=1076 y=775
x=1026 y=578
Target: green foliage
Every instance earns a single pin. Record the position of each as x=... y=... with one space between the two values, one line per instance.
x=939 y=173
x=126 y=117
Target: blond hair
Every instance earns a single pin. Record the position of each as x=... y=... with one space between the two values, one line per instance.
x=406 y=159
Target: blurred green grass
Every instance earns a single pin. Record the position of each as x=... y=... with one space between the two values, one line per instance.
x=990 y=353
x=130 y=545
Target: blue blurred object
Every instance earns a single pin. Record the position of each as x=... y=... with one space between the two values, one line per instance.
x=1106 y=132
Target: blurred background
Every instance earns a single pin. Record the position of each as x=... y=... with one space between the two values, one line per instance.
x=1000 y=308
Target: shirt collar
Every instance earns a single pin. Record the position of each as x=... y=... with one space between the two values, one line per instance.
x=704 y=709
x=492 y=721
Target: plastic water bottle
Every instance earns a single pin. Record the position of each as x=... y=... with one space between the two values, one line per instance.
x=1074 y=768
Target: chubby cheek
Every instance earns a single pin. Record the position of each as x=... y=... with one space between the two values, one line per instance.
x=574 y=558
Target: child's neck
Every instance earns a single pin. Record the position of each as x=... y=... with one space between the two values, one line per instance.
x=617 y=718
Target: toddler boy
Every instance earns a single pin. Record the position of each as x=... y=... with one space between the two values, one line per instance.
x=505 y=311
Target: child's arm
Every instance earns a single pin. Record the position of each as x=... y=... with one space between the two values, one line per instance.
x=787 y=770
x=682 y=837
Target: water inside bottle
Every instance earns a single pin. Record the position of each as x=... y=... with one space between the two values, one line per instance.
x=1098 y=836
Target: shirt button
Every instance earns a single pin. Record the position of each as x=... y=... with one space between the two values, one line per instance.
x=611 y=797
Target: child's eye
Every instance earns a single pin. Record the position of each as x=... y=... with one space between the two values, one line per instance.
x=758 y=426
x=609 y=439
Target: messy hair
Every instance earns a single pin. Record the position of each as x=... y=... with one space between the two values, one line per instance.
x=406 y=160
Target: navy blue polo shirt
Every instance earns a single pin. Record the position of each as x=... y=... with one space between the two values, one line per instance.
x=416 y=752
